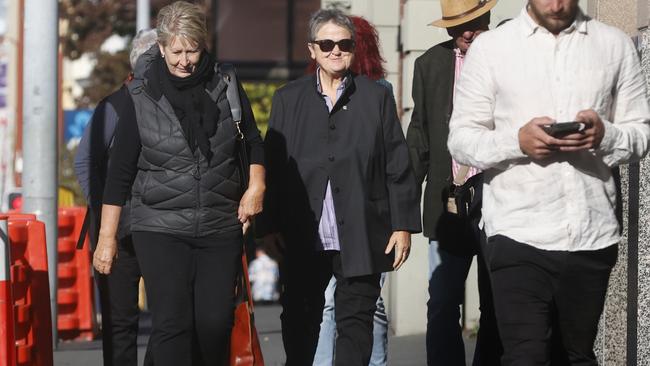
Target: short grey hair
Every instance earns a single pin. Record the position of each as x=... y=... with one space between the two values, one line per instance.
x=324 y=16
x=182 y=19
x=141 y=43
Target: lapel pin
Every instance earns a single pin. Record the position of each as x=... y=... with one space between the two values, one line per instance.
x=345 y=107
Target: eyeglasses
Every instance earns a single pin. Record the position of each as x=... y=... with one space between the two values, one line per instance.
x=327 y=45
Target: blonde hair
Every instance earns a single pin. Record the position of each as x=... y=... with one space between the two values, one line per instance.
x=181 y=19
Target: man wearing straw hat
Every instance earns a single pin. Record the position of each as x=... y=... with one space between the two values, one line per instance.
x=454 y=240
x=546 y=106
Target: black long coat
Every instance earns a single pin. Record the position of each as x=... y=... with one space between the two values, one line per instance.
x=361 y=149
x=433 y=88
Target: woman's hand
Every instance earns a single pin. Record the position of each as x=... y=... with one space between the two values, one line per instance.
x=106 y=249
x=105 y=252
x=251 y=202
x=401 y=241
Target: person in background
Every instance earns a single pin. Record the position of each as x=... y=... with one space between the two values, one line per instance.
x=454 y=240
x=177 y=156
x=549 y=198
x=341 y=195
x=118 y=292
x=264 y=274
x=366 y=61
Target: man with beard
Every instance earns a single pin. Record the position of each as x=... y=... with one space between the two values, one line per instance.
x=549 y=197
x=454 y=240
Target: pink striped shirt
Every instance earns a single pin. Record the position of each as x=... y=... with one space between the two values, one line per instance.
x=455 y=167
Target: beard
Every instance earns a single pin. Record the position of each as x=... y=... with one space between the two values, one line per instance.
x=554 y=22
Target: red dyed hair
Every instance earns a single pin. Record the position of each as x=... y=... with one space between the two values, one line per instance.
x=367 y=58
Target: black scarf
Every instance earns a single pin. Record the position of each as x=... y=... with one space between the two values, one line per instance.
x=192 y=105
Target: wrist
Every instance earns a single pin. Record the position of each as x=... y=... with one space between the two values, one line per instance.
x=106 y=235
x=257 y=186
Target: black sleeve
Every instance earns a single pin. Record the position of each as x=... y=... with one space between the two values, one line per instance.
x=417 y=135
x=249 y=128
x=403 y=190
x=123 y=161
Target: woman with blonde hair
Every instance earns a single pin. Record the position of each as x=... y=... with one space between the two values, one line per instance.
x=178 y=160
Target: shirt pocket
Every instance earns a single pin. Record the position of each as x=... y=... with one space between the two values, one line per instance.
x=592 y=88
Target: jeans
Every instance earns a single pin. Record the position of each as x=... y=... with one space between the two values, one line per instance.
x=444 y=339
x=327 y=336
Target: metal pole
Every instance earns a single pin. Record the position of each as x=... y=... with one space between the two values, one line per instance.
x=40 y=149
x=144 y=15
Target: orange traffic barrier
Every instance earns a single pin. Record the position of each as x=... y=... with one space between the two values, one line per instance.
x=75 y=294
x=7 y=342
x=32 y=322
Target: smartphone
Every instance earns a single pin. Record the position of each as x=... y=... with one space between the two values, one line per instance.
x=564 y=128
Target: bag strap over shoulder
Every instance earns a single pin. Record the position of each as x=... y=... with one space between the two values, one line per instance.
x=232 y=92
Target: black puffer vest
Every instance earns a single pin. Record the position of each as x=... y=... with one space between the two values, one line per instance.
x=177 y=191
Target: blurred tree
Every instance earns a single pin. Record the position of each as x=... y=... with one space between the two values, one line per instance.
x=261 y=96
x=107 y=76
x=89 y=22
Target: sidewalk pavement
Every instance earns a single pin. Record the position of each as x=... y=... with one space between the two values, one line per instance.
x=402 y=351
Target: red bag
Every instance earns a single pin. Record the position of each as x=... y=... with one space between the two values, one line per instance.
x=245 y=347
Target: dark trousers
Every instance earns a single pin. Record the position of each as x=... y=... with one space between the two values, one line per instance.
x=444 y=339
x=304 y=279
x=118 y=294
x=548 y=298
x=190 y=285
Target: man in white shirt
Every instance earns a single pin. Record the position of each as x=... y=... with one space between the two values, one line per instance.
x=549 y=202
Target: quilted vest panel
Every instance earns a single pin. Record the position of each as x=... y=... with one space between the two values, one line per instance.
x=178 y=191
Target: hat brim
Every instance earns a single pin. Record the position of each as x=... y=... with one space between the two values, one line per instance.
x=442 y=23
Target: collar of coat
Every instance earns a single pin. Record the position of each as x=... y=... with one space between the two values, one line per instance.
x=349 y=83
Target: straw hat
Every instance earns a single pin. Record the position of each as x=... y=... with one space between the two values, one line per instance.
x=456 y=12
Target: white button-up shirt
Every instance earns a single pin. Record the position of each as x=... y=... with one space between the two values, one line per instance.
x=520 y=71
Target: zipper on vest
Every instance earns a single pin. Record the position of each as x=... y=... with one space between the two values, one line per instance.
x=196 y=173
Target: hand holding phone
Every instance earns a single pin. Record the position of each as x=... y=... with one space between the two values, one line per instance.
x=560 y=129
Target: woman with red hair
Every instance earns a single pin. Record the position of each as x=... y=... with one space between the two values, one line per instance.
x=366 y=61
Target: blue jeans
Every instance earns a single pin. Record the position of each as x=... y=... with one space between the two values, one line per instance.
x=327 y=337
x=444 y=339
x=447 y=274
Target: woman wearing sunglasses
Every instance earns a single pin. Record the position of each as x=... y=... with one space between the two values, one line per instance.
x=341 y=195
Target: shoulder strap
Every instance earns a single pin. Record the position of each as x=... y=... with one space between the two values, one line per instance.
x=232 y=92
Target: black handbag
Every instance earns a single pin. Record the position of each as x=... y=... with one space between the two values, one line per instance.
x=457 y=228
x=465 y=199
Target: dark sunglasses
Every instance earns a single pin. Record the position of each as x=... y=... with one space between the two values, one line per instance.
x=327 y=45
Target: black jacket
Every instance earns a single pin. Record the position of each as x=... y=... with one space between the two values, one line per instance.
x=361 y=149
x=92 y=156
x=433 y=88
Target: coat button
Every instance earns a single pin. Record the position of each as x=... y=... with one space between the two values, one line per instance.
x=341 y=222
x=331 y=158
x=332 y=127
x=337 y=190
